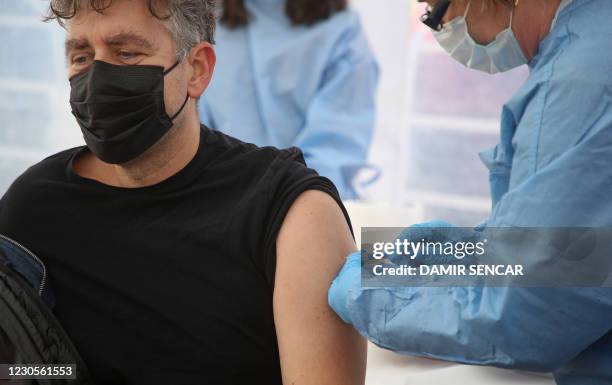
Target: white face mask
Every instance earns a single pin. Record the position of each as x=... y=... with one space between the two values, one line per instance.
x=503 y=54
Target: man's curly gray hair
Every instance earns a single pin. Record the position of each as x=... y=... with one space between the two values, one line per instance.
x=190 y=21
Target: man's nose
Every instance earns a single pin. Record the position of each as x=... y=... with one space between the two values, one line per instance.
x=104 y=54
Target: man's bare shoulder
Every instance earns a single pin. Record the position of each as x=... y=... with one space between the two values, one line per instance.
x=318 y=217
x=312 y=245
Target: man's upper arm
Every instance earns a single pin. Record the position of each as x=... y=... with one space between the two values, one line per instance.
x=315 y=346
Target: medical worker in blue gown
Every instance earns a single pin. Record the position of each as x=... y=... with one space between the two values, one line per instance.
x=552 y=168
x=296 y=73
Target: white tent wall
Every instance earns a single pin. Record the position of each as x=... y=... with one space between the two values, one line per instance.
x=35 y=119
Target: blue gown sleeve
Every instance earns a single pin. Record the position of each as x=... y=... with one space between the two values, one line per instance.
x=536 y=329
x=341 y=117
x=505 y=327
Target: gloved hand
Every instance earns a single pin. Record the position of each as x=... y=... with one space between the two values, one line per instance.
x=345 y=285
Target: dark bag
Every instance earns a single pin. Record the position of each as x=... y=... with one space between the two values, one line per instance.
x=29 y=332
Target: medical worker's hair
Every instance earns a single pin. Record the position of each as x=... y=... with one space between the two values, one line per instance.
x=190 y=21
x=507 y=3
x=300 y=12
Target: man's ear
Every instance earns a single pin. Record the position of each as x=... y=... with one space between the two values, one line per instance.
x=202 y=61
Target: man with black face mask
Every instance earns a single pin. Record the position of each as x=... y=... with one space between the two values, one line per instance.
x=179 y=255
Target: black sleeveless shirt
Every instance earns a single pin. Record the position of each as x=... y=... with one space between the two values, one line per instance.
x=172 y=283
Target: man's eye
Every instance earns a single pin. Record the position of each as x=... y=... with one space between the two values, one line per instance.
x=80 y=59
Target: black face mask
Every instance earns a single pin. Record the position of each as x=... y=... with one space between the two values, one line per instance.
x=121 y=109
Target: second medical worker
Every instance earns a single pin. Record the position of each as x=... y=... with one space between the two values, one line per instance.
x=296 y=73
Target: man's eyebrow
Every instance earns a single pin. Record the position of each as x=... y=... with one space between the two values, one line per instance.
x=132 y=38
x=76 y=44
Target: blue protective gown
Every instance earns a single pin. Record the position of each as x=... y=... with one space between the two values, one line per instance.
x=310 y=87
x=553 y=168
